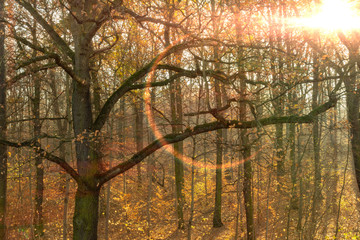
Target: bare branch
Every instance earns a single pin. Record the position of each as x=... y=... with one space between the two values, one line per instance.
x=58 y=41
x=173 y=138
x=149 y=19
x=54 y=56
x=41 y=119
x=34 y=143
x=34 y=60
x=213 y=110
x=127 y=84
x=31 y=71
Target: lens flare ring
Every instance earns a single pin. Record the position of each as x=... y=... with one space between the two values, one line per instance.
x=159 y=136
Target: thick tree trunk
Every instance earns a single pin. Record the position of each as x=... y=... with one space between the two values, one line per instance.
x=3 y=148
x=86 y=213
x=352 y=102
x=87 y=156
x=87 y=198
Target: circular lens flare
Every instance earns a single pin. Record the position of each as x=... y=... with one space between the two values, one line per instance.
x=160 y=137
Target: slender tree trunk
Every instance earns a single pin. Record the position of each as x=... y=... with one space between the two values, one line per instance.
x=248 y=175
x=64 y=131
x=3 y=148
x=176 y=110
x=150 y=166
x=245 y=145
x=334 y=165
x=206 y=103
x=277 y=76
x=68 y=158
x=39 y=191
x=139 y=129
x=218 y=189
x=122 y=136
x=192 y=201
x=31 y=200
x=205 y=165
x=299 y=225
x=294 y=201
x=217 y=222
x=108 y=188
x=316 y=145
x=238 y=199
x=176 y=119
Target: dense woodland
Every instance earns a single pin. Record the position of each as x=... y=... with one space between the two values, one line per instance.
x=176 y=119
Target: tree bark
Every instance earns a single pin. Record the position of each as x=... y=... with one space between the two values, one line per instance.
x=39 y=191
x=87 y=156
x=86 y=213
x=3 y=147
x=316 y=146
x=39 y=186
x=217 y=222
x=139 y=129
x=248 y=175
x=176 y=113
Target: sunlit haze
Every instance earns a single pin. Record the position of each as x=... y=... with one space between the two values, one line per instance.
x=332 y=15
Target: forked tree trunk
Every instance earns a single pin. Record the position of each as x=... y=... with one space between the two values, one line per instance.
x=87 y=195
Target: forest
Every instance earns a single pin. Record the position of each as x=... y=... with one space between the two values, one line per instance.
x=179 y=119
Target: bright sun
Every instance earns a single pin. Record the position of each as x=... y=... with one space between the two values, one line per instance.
x=333 y=15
